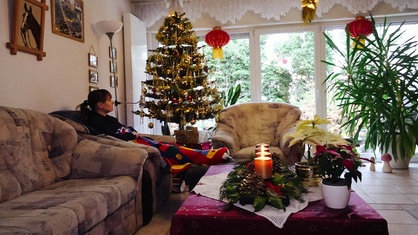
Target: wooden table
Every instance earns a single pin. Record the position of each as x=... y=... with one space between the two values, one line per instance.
x=202 y=215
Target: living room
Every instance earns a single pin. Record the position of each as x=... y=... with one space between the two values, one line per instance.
x=61 y=80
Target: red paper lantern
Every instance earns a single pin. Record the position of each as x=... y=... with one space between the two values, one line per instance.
x=217 y=38
x=360 y=28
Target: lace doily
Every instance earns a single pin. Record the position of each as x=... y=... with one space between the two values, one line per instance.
x=209 y=186
x=232 y=10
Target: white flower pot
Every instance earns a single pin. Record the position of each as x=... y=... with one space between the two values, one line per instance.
x=335 y=196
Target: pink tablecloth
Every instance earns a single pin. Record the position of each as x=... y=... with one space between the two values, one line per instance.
x=202 y=215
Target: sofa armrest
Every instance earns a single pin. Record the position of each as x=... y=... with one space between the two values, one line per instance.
x=92 y=159
x=225 y=136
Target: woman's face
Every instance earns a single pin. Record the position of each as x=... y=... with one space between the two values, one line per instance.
x=106 y=106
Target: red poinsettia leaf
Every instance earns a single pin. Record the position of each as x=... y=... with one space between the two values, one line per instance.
x=349 y=164
x=276 y=188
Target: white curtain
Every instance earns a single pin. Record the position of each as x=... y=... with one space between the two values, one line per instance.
x=229 y=11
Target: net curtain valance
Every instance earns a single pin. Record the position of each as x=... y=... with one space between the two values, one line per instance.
x=229 y=11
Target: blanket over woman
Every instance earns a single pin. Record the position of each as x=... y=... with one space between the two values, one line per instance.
x=180 y=158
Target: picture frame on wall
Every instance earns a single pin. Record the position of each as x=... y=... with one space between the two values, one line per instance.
x=93 y=76
x=113 y=81
x=93 y=88
x=68 y=19
x=28 y=27
x=93 y=61
x=113 y=66
x=112 y=52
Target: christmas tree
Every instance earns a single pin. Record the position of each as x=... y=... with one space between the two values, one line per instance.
x=178 y=90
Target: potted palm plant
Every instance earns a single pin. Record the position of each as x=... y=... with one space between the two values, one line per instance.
x=377 y=89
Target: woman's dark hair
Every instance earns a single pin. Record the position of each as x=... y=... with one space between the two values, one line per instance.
x=94 y=97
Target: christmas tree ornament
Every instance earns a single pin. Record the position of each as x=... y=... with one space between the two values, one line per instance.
x=151 y=125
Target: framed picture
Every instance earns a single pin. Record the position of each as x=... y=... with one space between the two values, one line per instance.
x=113 y=66
x=68 y=19
x=112 y=52
x=28 y=27
x=93 y=88
x=93 y=76
x=113 y=81
x=93 y=62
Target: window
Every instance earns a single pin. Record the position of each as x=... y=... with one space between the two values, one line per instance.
x=288 y=69
x=234 y=68
x=230 y=71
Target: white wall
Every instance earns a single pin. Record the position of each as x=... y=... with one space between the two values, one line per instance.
x=60 y=80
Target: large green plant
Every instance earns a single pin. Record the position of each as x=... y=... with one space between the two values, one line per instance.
x=377 y=89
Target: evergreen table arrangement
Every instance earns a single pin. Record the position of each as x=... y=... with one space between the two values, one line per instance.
x=247 y=186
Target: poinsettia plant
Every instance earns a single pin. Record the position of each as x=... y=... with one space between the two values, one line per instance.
x=309 y=133
x=337 y=161
x=333 y=154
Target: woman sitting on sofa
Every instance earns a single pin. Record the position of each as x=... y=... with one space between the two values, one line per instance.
x=100 y=103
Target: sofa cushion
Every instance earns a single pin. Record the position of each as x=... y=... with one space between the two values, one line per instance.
x=35 y=151
x=66 y=207
x=76 y=120
x=256 y=123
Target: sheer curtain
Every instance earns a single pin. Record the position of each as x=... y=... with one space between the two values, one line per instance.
x=229 y=11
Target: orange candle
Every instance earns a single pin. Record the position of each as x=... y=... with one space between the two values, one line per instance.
x=263 y=165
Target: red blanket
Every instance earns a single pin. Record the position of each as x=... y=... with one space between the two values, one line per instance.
x=180 y=157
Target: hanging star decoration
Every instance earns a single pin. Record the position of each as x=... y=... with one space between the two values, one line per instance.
x=309 y=10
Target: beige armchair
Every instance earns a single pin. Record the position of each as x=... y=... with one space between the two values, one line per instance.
x=242 y=126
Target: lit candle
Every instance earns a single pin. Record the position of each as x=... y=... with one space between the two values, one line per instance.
x=262 y=148
x=263 y=165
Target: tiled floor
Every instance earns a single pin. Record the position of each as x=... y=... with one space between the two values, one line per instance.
x=394 y=195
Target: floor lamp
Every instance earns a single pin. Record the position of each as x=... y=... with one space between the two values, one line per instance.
x=110 y=27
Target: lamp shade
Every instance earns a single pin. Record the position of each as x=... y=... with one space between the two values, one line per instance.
x=109 y=26
x=217 y=38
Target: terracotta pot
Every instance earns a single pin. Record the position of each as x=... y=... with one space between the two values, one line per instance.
x=336 y=195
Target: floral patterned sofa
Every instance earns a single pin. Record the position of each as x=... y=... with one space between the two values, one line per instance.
x=53 y=181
